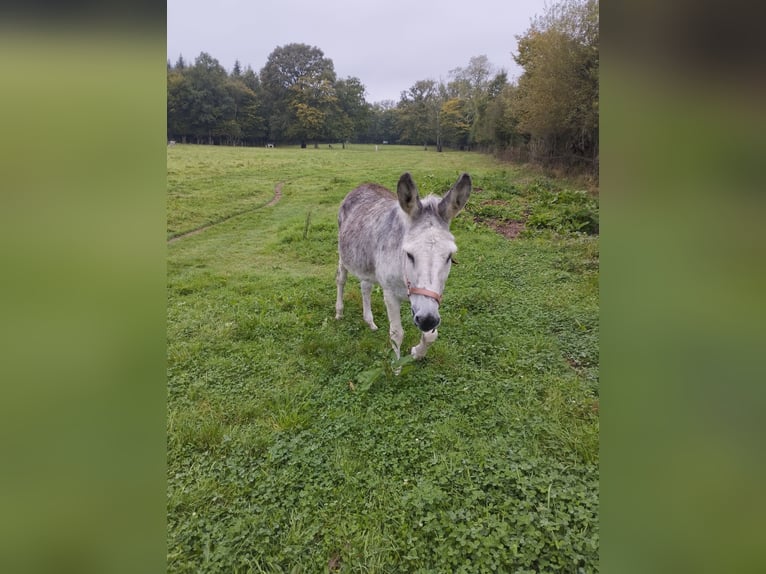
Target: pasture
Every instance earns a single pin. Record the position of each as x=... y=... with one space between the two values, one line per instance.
x=292 y=445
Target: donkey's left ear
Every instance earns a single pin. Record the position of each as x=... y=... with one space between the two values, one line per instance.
x=456 y=198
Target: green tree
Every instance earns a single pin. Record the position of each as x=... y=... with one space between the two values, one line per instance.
x=179 y=97
x=310 y=105
x=251 y=80
x=235 y=117
x=352 y=114
x=249 y=108
x=491 y=112
x=208 y=99
x=418 y=113
x=298 y=87
x=383 y=125
x=477 y=85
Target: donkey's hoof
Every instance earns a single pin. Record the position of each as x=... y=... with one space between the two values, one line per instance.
x=373 y=326
x=417 y=353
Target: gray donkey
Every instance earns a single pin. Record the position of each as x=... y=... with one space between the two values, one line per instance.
x=404 y=246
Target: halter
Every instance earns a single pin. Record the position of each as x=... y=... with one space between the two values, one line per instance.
x=418 y=291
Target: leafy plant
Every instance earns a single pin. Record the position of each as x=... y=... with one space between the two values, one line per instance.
x=384 y=373
x=565 y=211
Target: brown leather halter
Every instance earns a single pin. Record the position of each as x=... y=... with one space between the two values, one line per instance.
x=418 y=291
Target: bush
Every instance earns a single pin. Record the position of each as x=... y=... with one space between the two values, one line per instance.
x=565 y=211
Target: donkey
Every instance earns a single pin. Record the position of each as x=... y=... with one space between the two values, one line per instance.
x=404 y=246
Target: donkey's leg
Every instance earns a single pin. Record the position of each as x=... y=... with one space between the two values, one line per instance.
x=367 y=304
x=395 y=331
x=340 y=281
x=425 y=341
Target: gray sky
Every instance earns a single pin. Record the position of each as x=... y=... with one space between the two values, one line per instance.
x=388 y=44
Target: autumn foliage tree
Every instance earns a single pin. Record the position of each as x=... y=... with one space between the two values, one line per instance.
x=556 y=101
x=454 y=123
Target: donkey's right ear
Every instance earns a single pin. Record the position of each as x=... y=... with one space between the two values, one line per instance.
x=407 y=192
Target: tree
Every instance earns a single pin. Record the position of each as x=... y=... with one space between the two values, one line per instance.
x=298 y=86
x=383 y=123
x=251 y=80
x=557 y=98
x=310 y=106
x=506 y=133
x=490 y=113
x=179 y=97
x=418 y=113
x=235 y=117
x=478 y=84
x=352 y=113
x=208 y=99
x=454 y=122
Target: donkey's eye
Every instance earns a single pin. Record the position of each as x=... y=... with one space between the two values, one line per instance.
x=411 y=258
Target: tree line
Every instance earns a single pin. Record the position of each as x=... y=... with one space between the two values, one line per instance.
x=549 y=115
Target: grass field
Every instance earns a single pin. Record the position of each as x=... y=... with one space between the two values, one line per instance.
x=292 y=446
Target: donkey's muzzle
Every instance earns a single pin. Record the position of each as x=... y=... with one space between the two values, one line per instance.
x=426 y=322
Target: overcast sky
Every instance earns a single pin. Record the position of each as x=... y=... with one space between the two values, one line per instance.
x=388 y=44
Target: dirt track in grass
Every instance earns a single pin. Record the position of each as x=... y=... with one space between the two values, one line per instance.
x=274 y=201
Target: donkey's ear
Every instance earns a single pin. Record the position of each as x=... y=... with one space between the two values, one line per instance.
x=407 y=192
x=455 y=199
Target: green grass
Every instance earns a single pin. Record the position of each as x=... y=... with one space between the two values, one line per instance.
x=293 y=446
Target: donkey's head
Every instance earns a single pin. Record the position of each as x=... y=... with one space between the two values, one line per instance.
x=428 y=245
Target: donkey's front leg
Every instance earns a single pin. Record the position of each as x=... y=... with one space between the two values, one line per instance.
x=367 y=304
x=425 y=341
x=395 y=331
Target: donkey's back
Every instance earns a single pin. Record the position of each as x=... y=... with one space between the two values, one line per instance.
x=370 y=231
x=368 y=197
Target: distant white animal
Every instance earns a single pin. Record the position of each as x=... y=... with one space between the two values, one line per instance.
x=403 y=244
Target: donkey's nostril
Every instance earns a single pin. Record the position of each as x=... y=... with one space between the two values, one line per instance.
x=426 y=322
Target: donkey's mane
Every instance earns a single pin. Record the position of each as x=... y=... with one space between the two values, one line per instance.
x=429 y=208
